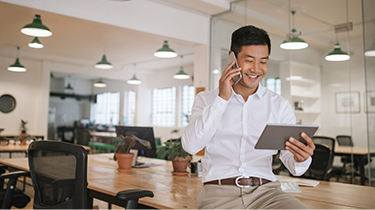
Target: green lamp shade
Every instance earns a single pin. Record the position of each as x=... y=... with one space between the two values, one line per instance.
x=100 y=84
x=36 y=28
x=370 y=52
x=165 y=51
x=68 y=87
x=17 y=67
x=337 y=54
x=35 y=43
x=181 y=74
x=134 y=81
x=103 y=64
x=294 y=43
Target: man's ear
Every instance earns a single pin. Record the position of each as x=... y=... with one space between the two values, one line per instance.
x=229 y=52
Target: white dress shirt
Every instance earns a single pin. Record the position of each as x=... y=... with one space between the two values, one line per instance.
x=230 y=129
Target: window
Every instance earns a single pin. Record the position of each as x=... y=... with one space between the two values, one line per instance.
x=129 y=108
x=163 y=107
x=274 y=85
x=187 y=100
x=107 y=108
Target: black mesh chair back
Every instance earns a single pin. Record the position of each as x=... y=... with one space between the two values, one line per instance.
x=344 y=140
x=322 y=158
x=59 y=174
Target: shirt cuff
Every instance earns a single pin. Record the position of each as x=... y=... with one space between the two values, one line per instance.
x=301 y=167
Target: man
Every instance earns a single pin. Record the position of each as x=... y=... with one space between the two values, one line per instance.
x=228 y=122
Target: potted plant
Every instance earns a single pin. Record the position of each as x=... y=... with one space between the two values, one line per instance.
x=180 y=158
x=23 y=133
x=122 y=155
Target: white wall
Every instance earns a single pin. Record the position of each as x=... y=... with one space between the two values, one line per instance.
x=26 y=89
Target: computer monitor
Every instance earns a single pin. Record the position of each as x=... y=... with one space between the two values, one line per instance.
x=144 y=133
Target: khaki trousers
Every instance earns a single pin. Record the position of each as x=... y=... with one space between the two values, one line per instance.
x=267 y=196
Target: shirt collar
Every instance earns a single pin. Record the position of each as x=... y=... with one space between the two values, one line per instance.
x=260 y=92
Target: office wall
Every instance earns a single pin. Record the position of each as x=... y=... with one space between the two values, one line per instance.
x=26 y=89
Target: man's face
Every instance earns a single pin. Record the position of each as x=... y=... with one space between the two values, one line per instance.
x=253 y=59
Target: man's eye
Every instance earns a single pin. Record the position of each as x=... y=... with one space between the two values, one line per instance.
x=249 y=61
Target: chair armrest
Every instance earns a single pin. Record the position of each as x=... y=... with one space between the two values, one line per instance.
x=134 y=194
x=14 y=174
x=2 y=166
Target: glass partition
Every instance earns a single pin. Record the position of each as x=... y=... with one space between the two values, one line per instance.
x=336 y=95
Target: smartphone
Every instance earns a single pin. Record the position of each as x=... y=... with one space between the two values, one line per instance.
x=230 y=59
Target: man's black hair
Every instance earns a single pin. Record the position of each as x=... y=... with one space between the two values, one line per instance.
x=249 y=35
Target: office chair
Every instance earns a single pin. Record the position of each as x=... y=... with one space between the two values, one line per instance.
x=10 y=196
x=322 y=159
x=59 y=174
x=346 y=140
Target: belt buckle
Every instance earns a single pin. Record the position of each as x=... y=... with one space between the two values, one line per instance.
x=240 y=177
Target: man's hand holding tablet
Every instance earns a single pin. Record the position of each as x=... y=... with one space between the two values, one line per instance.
x=294 y=138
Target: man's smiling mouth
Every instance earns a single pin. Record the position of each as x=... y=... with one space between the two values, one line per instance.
x=252 y=76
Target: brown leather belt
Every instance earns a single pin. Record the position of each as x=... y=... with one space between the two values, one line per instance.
x=240 y=181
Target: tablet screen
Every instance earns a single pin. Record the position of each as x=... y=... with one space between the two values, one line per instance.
x=274 y=136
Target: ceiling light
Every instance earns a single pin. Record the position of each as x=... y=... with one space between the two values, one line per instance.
x=103 y=64
x=215 y=71
x=17 y=67
x=100 y=84
x=68 y=87
x=35 y=43
x=134 y=80
x=293 y=42
x=165 y=51
x=337 y=54
x=370 y=52
x=181 y=74
x=36 y=28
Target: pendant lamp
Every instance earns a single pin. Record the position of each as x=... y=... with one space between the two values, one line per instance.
x=134 y=80
x=69 y=87
x=293 y=42
x=181 y=74
x=337 y=54
x=35 y=43
x=165 y=51
x=17 y=67
x=370 y=52
x=103 y=64
x=36 y=28
x=100 y=84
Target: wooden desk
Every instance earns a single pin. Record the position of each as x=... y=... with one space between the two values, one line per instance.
x=180 y=192
x=360 y=153
x=38 y=137
x=11 y=147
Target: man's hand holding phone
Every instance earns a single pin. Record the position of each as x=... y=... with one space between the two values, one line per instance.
x=226 y=81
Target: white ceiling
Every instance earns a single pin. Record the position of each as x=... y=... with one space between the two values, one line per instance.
x=314 y=18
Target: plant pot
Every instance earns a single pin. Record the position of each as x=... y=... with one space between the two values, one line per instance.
x=23 y=138
x=180 y=165
x=124 y=161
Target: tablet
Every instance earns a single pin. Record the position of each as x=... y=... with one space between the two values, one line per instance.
x=274 y=136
